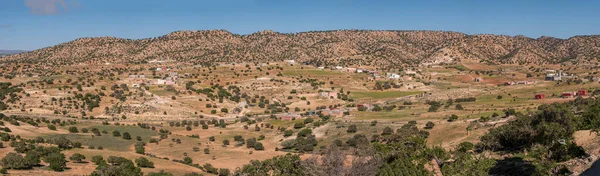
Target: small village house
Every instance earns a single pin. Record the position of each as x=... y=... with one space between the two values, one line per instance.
x=568 y=94
x=333 y=112
x=539 y=96
x=582 y=92
x=290 y=61
x=393 y=76
x=328 y=94
x=289 y=116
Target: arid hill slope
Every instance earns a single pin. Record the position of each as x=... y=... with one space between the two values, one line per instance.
x=377 y=48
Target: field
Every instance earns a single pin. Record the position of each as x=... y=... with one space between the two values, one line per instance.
x=203 y=108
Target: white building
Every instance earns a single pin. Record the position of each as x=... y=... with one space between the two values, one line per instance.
x=410 y=72
x=161 y=81
x=290 y=61
x=393 y=76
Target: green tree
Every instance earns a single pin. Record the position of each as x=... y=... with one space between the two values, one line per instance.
x=387 y=131
x=224 y=172
x=429 y=125
x=160 y=173
x=225 y=142
x=57 y=161
x=298 y=125
x=139 y=147
x=452 y=118
x=352 y=129
x=126 y=136
x=144 y=162
x=116 y=133
x=97 y=159
x=77 y=158
x=287 y=133
x=259 y=146
x=14 y=161
x=73 y=129
x=187 y=160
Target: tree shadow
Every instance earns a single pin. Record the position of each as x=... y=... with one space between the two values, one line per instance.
x=512 y=166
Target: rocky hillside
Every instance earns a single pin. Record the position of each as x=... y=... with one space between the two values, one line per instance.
x=344 y=47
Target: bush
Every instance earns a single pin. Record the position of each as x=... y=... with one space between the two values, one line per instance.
x=97 y=159
x=352 y=129
x=387 y=131
x=126 y=136
x=464 y=147
x=187 y=160
x=120 y=166
x=298 y=125
x=429 y=125
x=459 y=107
x=304 y=132
x=73 y=129
x=144 y=162
x=308 y=120
x=139 y=147
x=287 y=133
x=161 y=173
x=14 y=161
x=453 y=118
x=77 y=158
x=52 y=127
x=224 y=172
x=210 y=169
x=116 y=133
x=259 y=146
x=57 y=161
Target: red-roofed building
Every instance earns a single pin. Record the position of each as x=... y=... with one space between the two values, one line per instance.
x=540 y=96
x=568 y=94
x=582 y=92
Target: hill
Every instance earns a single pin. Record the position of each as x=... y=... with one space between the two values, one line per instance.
x=9 y=52
x=343 y=47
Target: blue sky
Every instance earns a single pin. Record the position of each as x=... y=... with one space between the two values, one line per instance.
x=33 y=24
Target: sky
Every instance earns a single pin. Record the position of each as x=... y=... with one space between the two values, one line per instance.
x=34 y=24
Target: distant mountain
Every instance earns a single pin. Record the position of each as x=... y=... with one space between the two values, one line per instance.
x=9 y=52
x=339 y=47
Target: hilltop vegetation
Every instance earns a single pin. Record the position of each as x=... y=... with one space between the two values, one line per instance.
x=384 y=49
